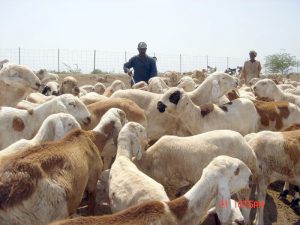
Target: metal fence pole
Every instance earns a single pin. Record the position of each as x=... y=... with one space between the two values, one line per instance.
x=297 y=66
x=19 y=55
x=180 y=62
x=58 y=60
x=94 y=61
x=207 y=62
x=227 y=60
x=125 y=56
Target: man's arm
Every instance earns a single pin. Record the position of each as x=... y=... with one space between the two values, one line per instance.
x=243 y=74
x=153 y=69
x=127 y=66
x=259 y=68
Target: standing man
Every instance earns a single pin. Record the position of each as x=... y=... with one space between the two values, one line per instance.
x=144 y=66
x=251 y=68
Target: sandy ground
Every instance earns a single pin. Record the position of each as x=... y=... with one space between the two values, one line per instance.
x=276 y=212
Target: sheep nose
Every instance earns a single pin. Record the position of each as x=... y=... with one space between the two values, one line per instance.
x=87 y=120
x=55 y=93
x=161 y=107
x=38 y=84
x=239 y=222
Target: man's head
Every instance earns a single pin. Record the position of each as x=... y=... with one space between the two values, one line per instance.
x=252 y=54
x=142 y=48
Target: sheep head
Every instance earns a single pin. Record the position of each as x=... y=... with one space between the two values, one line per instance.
x=68 y=103
x=136 y=134
x=265 y=89
x=68 y=85
x=19 y=77
x=174 y=101
x=111 y=123
x=231 y=175
x=51 y=88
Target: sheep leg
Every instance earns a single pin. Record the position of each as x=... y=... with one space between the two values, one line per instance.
x=91 y=202
x=296 y=199
x=262 y=191
x=244 y=195
x=285 y=191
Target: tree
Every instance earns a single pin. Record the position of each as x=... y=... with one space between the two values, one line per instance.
x=280 y=63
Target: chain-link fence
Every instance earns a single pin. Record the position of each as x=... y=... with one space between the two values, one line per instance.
x=88 y=61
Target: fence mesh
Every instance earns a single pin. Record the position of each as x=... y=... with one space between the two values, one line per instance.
x=86 y=61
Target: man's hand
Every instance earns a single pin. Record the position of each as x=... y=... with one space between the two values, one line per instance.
x=129 y=72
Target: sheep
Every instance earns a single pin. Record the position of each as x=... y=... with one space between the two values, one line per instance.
x=2 y=63
x=46 y=182
x=170 y=78
x=16 y=82
x=157 y=85
x=24 y=104
x=276 y=116
x=187 y=84
x=38 y=98
x=92 y=97
x=294 y=91
x=199 y=75
x=51 y=88
x=209 y=117
x=69 y=86
x=87 y=88
x=133 y=113
x=132 y=110
x=116 y=85
x=162 y=124
x=236 y=217
x=266 y=88
x=137 y=187
x=53 y=128
x=213 y=88
x=142 y=85
x=284 y=87
x=221 y=178
x=45 y=76
x=17 y=123
x=278 y=158
x=99 y=88
x=171 y=159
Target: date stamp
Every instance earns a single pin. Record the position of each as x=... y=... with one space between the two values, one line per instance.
x=242 y=204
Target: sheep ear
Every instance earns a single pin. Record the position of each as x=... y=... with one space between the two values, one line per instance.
x=136 y=148
x=58 y=130
x=215 y=91
x=46 y=88
x=223 y=208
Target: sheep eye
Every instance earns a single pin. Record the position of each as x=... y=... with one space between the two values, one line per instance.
x=69 y=124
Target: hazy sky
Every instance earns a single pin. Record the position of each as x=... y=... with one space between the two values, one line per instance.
x=196 y=27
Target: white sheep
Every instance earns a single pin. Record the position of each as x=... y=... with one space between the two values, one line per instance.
x=69 y=86
x=157 y=85
x=116 y=85
x=222 y=177
x=142 y=85
x=46 y=182
x=51 y=88
x=278 y=159
x=45 y=76
x=187 y=84
x=170 y=78
x=17 y=123
x=38 y=98
x=171 y=159
x=24 y=104
x=267 y=88
x=209 y=117
x=16 y=82
x=99 y=88
x=52 y=129
x=137 y=187
x=92 y=97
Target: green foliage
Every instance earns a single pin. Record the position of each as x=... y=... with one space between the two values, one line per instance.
x=98 y=71
x=280 y=63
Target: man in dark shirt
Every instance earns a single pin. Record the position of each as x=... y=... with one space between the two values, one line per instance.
x=144 y=66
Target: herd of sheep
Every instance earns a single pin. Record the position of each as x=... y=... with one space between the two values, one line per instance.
x=166 y=152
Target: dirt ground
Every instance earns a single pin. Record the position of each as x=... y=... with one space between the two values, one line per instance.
x=276 y=212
